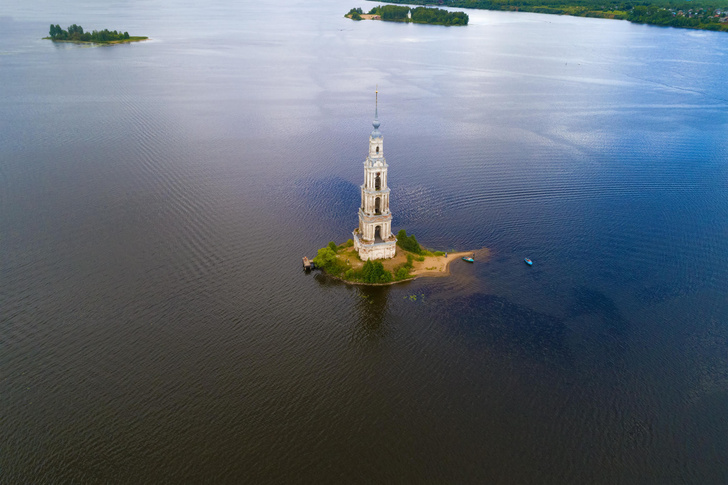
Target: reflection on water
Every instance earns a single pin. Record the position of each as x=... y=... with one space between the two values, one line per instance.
x=370 y=305
x=510 y=329
x=371 y=308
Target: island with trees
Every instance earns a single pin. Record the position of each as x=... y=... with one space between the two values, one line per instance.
x=418 y=15
x=75 y=33
x=694 y=14
x=412 y=261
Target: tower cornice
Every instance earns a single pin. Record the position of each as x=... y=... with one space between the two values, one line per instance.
x=375 y=192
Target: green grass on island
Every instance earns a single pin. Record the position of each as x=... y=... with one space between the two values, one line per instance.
x=418 y=15
x=75 y=33
x=696 y=14
x=412 y=260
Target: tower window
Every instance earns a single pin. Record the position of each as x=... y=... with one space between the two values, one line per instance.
x=377 y=149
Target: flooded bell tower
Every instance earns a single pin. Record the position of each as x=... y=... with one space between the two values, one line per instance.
x=373 y=239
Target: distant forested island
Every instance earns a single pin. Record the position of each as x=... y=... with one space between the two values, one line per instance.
x=418 y=15
x=696 y=14
x=75 y=33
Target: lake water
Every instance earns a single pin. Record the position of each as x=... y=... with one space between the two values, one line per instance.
x=157 y=198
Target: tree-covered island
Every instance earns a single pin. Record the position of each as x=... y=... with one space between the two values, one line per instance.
x=696 y=14
x=75 y=33
x=411 y=261
x=418 y=15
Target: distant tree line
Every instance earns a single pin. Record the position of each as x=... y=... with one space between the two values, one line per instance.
x=420 y=15
x=75 y=32
x=704 y=19
x=696 y=14
x=391 y=13
x=439 y=16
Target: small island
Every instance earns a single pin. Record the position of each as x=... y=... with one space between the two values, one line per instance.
x=419 y=15
x=76 y=34
x=411 y=261
x=374 y=255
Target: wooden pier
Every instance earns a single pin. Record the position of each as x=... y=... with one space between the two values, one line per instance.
x=308 y=264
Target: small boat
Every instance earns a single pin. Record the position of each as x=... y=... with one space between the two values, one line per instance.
x=469 y=260
x=528 y=261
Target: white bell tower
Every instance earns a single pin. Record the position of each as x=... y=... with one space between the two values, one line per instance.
x=373 y=239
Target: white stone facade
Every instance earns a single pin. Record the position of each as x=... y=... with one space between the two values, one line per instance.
x=373 y=239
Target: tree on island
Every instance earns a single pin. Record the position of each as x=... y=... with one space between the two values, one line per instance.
x=408 y=243
x=335 y=260
x=326 y=259
x=374 y=272
x=420 y=15
x=76 y=33
x=354 y=14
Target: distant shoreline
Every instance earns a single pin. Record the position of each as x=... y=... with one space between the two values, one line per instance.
x=699 y=15
x=367 y=16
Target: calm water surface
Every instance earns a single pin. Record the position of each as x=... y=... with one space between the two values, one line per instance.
x=156 y=199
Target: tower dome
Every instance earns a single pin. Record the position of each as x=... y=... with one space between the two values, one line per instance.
x=376 y=133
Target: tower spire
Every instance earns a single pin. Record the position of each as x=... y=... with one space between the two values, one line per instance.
x=375 y=123
x=376 y=102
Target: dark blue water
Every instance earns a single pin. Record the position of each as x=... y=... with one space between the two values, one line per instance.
x=156 y=199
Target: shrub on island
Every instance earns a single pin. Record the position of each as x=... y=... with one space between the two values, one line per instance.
x=402 y=272
x=326 y=259
x=374 y=272
x=335 y=260
x=354 y=14
x=408 y=243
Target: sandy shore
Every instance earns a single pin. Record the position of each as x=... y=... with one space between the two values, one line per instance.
x=432 y=266
x=438 y=265
x=366 y=16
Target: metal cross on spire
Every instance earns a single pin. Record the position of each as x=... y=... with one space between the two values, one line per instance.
x=376 y=103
